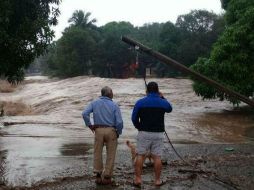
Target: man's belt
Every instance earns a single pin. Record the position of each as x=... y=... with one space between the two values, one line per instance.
x=101 y=126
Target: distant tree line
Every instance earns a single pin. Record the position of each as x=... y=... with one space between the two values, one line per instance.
x=86 y=49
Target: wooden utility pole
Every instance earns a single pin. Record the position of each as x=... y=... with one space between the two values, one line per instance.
x=184 y=69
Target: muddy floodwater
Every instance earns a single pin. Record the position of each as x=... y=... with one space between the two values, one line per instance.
x=50 y=142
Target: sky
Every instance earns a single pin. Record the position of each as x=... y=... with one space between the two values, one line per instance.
x=137 y=12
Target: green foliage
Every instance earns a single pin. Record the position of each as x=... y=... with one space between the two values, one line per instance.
x=81 y=19
x=73 y=53
x=116 y=55
x=204 y=66
x=224 y=3
x=198 y=35
x=231 y=60
x=191 y=37
x=170 y=39
x=236 y=9
x=149 y=34
x=110 y=57
x=24 y=33
x=197 y=21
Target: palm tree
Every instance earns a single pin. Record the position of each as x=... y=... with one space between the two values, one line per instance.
x=81 y=18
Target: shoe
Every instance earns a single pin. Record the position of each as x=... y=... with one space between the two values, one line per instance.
x=137 y=185
x=107 y=181
x=98 y=179
x=160 y=184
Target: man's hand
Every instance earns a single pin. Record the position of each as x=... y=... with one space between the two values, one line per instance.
x=161 y=95
x=92 y=128
x=117 y=135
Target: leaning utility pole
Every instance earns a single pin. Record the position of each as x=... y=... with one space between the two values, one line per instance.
x=186 y=70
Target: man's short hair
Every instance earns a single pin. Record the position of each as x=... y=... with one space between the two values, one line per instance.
x=152 y=87
x=106 y=91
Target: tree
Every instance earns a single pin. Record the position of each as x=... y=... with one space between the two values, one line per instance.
x=191 y=37
x=73 y=53
x=48 y=62
x=76 y=52
x=81 y=19
x=197 y=21
x=116 y=56
x=149 y=34
x=224 y=3
x=170 y=38
x=199 y=30
x=24 y=33
x=231 y=60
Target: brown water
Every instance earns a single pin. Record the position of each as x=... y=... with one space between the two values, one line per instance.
x=54 y=143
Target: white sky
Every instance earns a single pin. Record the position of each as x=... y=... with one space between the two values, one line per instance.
x=136 y=12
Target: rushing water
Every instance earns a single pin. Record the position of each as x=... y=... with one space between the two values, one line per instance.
x=52 y=142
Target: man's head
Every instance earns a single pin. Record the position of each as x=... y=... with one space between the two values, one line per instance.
x=106 y=91
x=152 y=87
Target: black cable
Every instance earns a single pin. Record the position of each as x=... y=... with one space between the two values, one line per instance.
x=195 y=167
x=176 y=151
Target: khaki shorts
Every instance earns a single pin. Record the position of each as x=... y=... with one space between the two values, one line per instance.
x=150 y=142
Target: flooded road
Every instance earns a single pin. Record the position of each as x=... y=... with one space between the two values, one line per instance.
x=51 y=141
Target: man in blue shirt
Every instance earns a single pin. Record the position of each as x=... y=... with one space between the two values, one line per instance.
x=148 y=118
x=108 y=125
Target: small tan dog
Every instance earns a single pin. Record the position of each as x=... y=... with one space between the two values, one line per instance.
x=134 y=154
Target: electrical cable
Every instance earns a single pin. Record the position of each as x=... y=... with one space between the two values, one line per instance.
x=195 y=167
